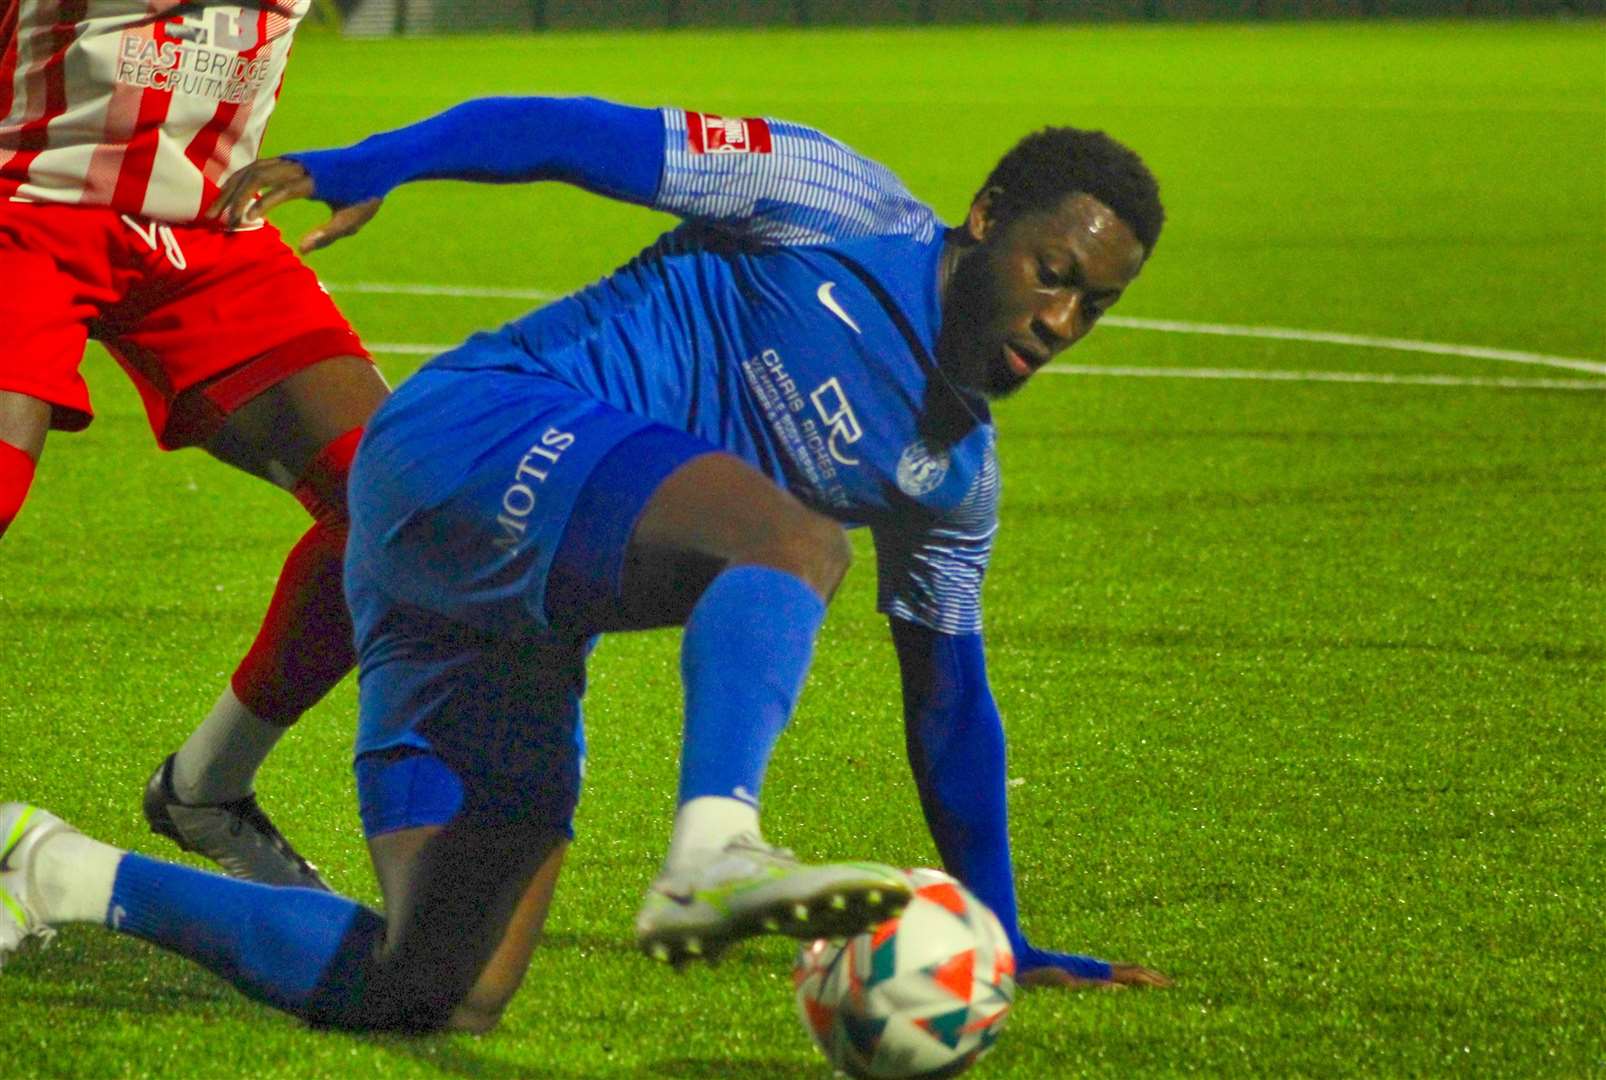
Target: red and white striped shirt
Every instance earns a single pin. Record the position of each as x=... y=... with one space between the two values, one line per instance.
x=145 y=106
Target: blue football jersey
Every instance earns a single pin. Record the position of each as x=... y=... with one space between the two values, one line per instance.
x=791 y=320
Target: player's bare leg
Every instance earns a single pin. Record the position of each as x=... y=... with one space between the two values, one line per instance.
x=465 y=908
x=298 y=434
x=24 y=420
x=277 y=434
x=715 y=512
x=716 y=528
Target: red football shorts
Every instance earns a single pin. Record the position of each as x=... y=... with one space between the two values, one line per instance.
x=201 y=319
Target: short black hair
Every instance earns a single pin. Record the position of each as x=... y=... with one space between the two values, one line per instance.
x=1046 y=166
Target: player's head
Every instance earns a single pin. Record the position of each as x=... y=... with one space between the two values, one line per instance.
x=1062 y=226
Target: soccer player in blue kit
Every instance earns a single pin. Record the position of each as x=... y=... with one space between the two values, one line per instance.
x=681 y=443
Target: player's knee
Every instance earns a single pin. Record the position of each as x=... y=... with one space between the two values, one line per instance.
x=836 y=553
x=426 y=993
x=481 y=1008
x=412 y=991
x=413 y=1002
x=321 y=488
x=473 y=1022
x=479 y=1014
x=813 y=547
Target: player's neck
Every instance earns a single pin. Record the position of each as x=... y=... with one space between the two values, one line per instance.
x=954 y=248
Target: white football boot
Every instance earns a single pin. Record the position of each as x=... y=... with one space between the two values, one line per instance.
x=749 y=888
x=22 y=827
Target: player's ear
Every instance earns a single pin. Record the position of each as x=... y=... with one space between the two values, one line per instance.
x=983 y=216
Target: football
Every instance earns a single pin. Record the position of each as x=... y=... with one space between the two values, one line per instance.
x=921 y=995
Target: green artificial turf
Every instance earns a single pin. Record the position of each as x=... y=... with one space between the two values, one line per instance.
x=1303 y=680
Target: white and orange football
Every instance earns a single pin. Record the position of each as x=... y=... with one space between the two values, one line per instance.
x=921 y=995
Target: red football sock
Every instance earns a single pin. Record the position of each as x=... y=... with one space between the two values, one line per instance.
x=16 y=474
x=305 y=645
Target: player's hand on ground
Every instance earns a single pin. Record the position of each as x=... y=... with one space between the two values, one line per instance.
x=263 y=185
x=1039 y=968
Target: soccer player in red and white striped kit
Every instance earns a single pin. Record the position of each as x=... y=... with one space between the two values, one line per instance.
x=120 y=120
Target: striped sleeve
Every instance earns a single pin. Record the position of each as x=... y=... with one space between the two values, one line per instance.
x=931 y=574
x=781 y=183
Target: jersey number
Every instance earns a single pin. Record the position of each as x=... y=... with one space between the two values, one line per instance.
x=236 y=32
x=231 y=29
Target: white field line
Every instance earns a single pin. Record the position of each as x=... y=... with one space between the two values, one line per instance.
x=390 y=288
x=1363 y=341
x=1168 y=326
x=392 y=348
x=1326 y=376
x=410 y=349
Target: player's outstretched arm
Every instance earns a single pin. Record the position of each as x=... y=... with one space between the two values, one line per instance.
x=955 y=739
x=615 y=150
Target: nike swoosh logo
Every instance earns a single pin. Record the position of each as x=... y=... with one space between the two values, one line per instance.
x=13 y=841
x=825 y=297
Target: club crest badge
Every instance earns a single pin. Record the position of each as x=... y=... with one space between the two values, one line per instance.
x=921 y=470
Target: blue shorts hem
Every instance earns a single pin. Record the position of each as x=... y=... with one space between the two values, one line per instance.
x=408 y=788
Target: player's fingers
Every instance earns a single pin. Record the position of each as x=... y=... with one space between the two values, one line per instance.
x=342 y=223
x=272 y=172
x=247 y=185
x=1121 y=977
x=260 y=187
x=276 y=194
x=315 y=239
x=224 y=203
x=1136 y=975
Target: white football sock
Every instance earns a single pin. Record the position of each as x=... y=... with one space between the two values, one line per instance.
x=706 y=824
x=73 y=876
x=219 y=760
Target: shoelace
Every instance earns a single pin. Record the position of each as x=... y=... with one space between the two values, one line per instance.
x=759 y=847
x=43 y=933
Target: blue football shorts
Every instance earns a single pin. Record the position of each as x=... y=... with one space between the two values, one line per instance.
x=487 y=507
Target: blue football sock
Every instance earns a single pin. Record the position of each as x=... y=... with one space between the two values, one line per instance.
x=746 y=651
x=300 y=950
